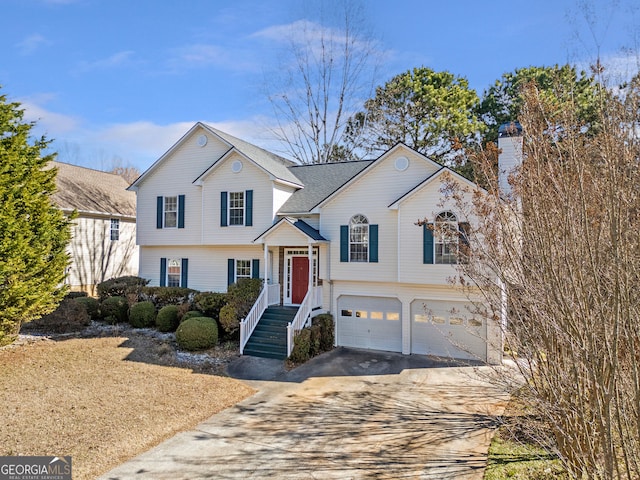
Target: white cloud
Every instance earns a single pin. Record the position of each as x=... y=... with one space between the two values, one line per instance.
x=30 y=44
x=202 y=55
x=116 y=60
x=50 y=123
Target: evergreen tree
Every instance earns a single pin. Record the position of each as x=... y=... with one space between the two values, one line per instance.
x=33 y=232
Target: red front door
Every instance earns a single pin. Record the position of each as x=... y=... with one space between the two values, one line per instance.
x=299 y=279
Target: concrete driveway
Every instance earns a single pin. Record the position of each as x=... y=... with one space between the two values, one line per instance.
x=347 y=414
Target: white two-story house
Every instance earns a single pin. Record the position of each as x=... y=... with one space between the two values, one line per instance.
x=340 y=238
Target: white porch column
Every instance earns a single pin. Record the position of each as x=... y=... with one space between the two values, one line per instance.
x=310 y=247
x=266 y=264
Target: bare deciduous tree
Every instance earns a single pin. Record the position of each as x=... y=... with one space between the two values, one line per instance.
x=564 y=246
x=327 y=73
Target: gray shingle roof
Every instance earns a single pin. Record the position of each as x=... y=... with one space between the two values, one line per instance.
x=320 y=181
x=87 y=190
x=274 y=164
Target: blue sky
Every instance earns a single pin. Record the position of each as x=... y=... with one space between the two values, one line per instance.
x=126 y=78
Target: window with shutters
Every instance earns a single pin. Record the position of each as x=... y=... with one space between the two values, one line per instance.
x=359 y=239
x=446 y=236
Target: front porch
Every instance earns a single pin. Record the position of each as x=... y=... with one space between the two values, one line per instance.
x=291 y=255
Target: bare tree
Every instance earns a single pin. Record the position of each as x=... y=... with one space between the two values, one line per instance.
x=563 y=245
x=327 y=73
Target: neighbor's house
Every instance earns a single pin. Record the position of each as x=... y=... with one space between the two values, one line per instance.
x=338 y=237
x=103 y=235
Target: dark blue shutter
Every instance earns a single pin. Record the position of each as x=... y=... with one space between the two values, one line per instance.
x=344 y=243
x=255 y=268
x=223 y=209
x=180 y=211
x=159 y=209
x=163 y=272
x=248 y=198
x=184 y=272
x=373 y=243
x=231 y=271
x=427 y=243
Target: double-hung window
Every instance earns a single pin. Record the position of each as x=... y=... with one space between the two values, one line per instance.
x=170 y=212
x=359 y=239
x=173 y=272
x=115 y=229
x=445 y=241
x=243 y=269
x=236 y=208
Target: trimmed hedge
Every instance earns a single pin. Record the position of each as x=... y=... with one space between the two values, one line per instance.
x=70 y=316
x=142 y=315
x=163 y=296
x=314 y=340
x=121 y=286
x=167 y=319
x=197 y=333
x=210 y=303
x=229 y=319
x=91 y=305
x=192 y=314
x=301 y=346
x=114 y=310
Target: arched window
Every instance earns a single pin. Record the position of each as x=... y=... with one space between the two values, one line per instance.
x=359 y=239
x=446 y=235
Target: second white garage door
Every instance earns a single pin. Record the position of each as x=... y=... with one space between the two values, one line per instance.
x=370 y=322
x=447 y=329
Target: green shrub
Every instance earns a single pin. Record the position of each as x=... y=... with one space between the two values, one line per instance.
x=301 y=346
x=142 y=315
x=191 y=314
x=70 y=316
x=163 y=296
x=229 y=319
x=243 y=294
x=73 y=295
x=167 y=319
x=197 y=333
x=91 y=305
x=327 y=334
x=210 y=303
x=315 y=340
x=120 y=286
x=114 y=310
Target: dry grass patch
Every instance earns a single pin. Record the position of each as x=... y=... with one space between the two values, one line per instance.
x=82 y=397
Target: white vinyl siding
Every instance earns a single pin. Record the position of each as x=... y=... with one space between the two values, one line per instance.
x=173 y=176
x=207 y=265
x=222 y=179
x=95 y=257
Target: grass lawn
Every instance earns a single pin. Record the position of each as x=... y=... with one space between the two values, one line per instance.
x=87 y=398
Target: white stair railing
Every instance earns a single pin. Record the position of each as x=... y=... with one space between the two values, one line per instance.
x=312 y=299
x=248 y=324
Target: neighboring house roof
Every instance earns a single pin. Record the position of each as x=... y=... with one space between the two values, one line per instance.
x=320 y=181
x=92 y=191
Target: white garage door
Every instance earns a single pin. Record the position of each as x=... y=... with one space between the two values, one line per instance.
x=447 y=329
x=370 y=322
